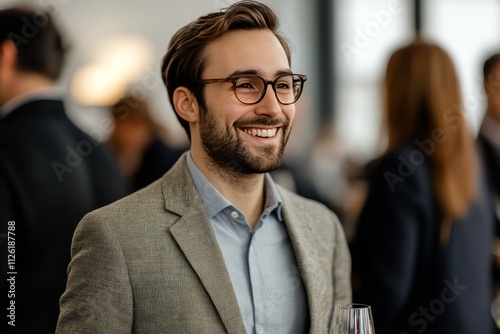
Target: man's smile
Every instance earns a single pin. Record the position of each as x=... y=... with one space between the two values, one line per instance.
x=261 y=132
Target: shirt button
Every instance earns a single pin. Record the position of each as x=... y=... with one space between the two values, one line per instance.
x=235 y=214
x=259 y=329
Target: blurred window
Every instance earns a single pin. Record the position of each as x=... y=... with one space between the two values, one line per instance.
x=366 y=33
x=469 y=31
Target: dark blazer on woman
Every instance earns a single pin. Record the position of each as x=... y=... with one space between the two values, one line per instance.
x=412 y=283
x=51 y=175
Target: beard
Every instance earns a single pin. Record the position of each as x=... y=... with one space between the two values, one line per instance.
x=227 y=151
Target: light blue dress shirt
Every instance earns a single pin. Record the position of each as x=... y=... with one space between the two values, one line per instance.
x=261 y=263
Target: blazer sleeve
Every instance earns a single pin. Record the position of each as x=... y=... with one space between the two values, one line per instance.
x=9 y=222
x=6 y=216
x=98 y=296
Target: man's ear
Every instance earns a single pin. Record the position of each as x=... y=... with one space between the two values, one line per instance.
x=186 y=105
x=8 y=55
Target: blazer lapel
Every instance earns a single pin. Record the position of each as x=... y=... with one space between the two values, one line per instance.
x=195 y=237
x=307 y=255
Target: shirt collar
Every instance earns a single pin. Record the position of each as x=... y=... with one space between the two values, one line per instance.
x=490 y=128
x=214 y=202
x=47 y=93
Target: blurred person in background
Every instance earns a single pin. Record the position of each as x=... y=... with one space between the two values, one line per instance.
x=140 y=143
x=489 y=133
x=51 y=173
x=422 y=248
x=489 y=143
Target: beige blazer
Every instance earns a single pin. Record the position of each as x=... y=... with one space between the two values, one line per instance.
x=150 y=263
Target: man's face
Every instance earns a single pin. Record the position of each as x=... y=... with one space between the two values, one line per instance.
x=492 y=86
x=240 y=138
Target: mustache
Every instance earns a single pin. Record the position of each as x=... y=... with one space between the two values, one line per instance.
x=262 y=121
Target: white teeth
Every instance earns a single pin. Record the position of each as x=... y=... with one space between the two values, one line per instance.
x=265 y=133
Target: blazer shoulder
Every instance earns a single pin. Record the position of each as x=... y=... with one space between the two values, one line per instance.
x=300 y=203
x=160 y=203
x=136 y=206
x=303 y=213
x=404 y=169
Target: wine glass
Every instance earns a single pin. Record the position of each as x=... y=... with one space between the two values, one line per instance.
x=495 y=310
x=352 y=319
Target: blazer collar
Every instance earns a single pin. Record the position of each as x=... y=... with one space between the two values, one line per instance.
x=47 y=93
x=195 y=237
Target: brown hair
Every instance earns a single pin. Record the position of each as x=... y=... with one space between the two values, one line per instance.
x=422 y=96
x=183 y=64
x=40 y=47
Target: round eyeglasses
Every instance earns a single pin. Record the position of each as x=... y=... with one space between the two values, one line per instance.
x=251 y=89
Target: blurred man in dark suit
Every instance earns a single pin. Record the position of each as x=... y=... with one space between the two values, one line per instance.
x=489 y=144
x=489 y=134
x=51 y=173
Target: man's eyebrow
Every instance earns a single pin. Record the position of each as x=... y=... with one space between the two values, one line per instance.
x=239 y=72
x=256 y=72
x=286 y=71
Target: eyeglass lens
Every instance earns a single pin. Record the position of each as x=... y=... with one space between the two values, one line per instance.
x=250 y=89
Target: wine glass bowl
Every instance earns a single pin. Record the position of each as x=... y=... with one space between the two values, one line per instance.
x=352 y=319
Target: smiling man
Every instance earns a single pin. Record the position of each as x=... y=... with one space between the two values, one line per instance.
x=215 y=246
